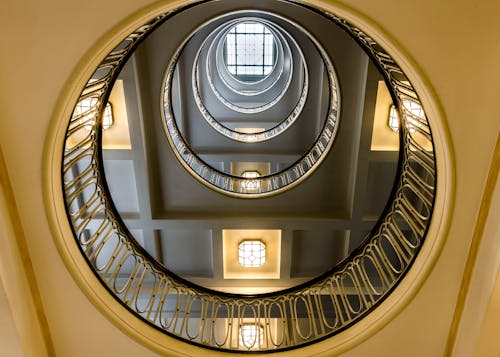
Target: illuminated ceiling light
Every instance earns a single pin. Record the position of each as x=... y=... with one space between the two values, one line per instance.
x=252 y=253
x=254 y=134
x=251 y=335
x=393 y=119
x=252 y=184
x=249 y=130
x=107 y=118
x=413 y=110
x=86 y=109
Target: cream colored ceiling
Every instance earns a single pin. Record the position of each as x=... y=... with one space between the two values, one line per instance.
x=455 y=46
x=9 y=339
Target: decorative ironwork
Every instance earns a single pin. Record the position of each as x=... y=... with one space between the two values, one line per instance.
x=265 y=134
x=267 y=185
x=262 y=87
x=251 y=88
x=289 y=319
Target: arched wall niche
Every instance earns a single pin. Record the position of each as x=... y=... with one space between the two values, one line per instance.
x=159 y=342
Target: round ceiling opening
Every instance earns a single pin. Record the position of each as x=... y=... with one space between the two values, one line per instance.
x=274 y=127
x=250 y=51
x=181 y=122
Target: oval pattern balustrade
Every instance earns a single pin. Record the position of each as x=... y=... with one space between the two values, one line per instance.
x=274 y=321
x=269 y=184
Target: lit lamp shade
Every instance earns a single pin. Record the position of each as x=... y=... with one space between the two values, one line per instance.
x=252 y=253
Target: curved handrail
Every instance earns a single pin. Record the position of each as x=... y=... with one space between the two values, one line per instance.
x=310 y=312
x=263 y=135
x=247 y=88
x=264 y=185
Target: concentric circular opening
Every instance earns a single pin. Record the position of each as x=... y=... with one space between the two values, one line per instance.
x=170 y=251
x=250 y=51
x=256 y=122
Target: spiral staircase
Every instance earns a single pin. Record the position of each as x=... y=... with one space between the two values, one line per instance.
x=442 y=302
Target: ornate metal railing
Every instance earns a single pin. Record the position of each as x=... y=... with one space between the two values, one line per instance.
x=261 y=186
x=267 y=88
x=282 y=320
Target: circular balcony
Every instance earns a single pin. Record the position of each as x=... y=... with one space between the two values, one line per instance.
x=308 y=310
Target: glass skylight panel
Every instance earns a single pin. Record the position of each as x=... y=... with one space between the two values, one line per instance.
x=268 y=54
x=250 y=50
x=231 y=52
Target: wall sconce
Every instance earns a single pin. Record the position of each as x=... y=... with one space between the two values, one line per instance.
x=393 y=119
x=251 y=335
x=252 y=253
x=87 y=110
x=107 y=117
x=414 y=111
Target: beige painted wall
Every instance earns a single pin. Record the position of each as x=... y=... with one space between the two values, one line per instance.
x=488 y=343
x=9 y=340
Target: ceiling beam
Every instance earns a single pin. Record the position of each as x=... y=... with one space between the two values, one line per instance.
x=286 y=254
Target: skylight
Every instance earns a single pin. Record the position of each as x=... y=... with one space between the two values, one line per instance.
x=250 y=50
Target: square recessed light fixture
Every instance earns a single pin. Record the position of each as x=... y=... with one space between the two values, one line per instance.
x=251 y=185
x=251 y=335
x=251 y=253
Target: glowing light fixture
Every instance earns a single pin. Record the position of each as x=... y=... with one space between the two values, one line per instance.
x=249 y=130
x=251 y=335
x=107 y=118
x=393 y=119
x=252 y=253
x=413 y=112
x=251 y=185
x=87 y=110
